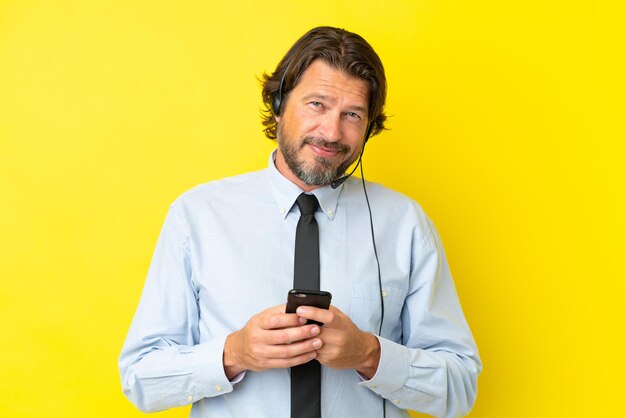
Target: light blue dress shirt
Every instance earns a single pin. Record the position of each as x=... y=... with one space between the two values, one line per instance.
x=226 y=252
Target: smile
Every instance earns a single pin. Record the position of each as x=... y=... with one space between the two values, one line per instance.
x=324 y=152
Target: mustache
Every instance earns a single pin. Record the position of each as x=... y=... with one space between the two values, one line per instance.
x=321 y=142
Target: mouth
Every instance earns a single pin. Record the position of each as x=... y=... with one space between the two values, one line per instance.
x=325 y=149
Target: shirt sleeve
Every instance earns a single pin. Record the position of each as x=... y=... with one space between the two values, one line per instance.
x=434 y=369
x=162 y=364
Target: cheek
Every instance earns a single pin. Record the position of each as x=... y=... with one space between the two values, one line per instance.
x=308 y=125
x=355 y=138
x=304 y=123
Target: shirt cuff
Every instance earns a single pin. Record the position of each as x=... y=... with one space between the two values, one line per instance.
x=209 y=368
x=238 y=377
x=393 y=368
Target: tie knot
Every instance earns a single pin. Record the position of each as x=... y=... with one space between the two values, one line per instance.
x=307 y=203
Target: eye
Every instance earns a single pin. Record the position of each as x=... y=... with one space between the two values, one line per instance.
x=353 y=115
x=315 y=104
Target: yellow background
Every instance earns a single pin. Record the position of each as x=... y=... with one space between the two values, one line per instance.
x=507 y=127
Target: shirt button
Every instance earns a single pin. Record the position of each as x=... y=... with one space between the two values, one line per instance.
x=373 y=387
x=190 y=398
x=330 y=211
x=396 y=401
x=218 y=388
x=384 y=293
x=282 y=211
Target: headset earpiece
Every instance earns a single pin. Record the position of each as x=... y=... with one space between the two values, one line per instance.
x=277 y=100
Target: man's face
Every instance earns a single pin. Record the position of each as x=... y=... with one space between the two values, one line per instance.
x=322 y=127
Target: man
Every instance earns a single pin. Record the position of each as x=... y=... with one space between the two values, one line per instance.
x=211 y=327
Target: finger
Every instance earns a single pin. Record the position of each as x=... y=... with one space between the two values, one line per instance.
x=276 y=320
x=324 y=316
x=296 y=349
x=276 y=309
x=284 y=363
x=291 y=335
x=267 y=320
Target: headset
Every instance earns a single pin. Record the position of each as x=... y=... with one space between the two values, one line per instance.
x=277 y=100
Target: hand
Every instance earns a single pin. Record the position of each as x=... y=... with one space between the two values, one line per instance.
x=271 y=339
x=345 y=346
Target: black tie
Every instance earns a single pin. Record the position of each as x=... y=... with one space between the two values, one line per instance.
x=306 y=379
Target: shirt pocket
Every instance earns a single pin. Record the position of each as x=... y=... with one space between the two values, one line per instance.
x=365 y=309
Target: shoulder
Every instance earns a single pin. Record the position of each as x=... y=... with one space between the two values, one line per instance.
x=384 y=198
x=395 y=210
x=224 y=190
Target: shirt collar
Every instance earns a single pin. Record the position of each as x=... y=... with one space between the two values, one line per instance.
x=286 y=192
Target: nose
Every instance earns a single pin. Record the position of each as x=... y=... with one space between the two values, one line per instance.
x=330 y=127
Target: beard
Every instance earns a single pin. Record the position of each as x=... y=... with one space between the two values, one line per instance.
x=319 y=172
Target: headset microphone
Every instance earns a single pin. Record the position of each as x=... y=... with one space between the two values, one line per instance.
x=342 y=180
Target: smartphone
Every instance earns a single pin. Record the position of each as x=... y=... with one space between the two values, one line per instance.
x=301 y=297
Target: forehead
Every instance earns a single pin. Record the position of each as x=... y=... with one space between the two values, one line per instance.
x=320 y=78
